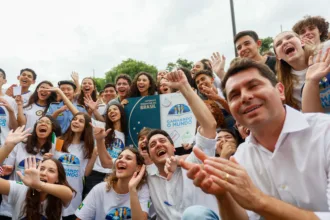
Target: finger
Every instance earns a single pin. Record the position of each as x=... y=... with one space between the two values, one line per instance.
x=34 y=162
x=200 y=154
x=142 y=170
x=192 y=172
x=26 y=165
x=225 y=162
x=199 y=178
x=218 y=55
x=20 y=175
x=223 y=184
x=318 y=57
x=327 y=60
x=169 y=176
x=325 y=55
x=226 y=176
x=186 y=165
x=108 y=131
x=221 y=167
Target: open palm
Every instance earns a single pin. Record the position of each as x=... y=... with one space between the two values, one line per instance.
x=14 y=137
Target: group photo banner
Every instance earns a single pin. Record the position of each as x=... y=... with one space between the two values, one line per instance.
x=169 y=112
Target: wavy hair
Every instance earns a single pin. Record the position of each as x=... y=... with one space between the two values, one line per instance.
x=134 y=92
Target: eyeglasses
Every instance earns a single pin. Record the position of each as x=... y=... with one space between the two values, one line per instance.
x=44 y=122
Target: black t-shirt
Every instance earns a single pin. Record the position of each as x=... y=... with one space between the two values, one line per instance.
x=270 y=62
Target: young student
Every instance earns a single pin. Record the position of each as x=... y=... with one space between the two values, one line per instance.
x=123 y=84
x=77 y=156
x=312 y=30
x=123 y=195
x=109 y=93
x=142 y=85
x=180 y=192
x=26 y=78
x=142 y=145
x=247 y=45
x=36 y=106
x=227 y=143
x=115 y=120
x=205 y=65
x=88 y=88
x=162 y=89
x=8 y=111
x=282 y=139
x=38 y=144
x=59 y=110
x=292 y=66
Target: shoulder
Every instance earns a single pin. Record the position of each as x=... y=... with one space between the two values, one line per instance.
x=54 y=103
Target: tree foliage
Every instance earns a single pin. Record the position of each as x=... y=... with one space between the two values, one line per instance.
x=180 y=63
x=100 y=83
x=266 y=45
x=130 y=67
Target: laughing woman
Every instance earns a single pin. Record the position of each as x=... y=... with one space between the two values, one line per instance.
x=38 y=144
x=77 y=156
x=37 y=105
x=123 y=195
x=115 y=120
x=143 y=85
x=45 y=188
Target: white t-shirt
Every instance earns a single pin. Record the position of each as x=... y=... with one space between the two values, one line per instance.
x=100 y=204
x=26 y=97
x=16 y=159
x=32 y=114
x=16 y=199
x=74 y=164
x=297 y=86
x=117 y=146
x=4 y=118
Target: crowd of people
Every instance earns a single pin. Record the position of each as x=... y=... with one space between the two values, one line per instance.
x=261 y=148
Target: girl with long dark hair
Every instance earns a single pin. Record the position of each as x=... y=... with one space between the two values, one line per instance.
x=37 y=105
x=143 y=85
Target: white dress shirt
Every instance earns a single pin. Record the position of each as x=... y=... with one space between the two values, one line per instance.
x=298 y=171
x=171 y=198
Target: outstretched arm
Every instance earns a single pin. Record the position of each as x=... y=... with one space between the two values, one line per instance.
x=177 y=80
x=105 y=158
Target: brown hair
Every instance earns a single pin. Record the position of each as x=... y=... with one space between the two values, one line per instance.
x=216 y=112
x=134 y=92
x=317 y=21
x=81 y=96
x=54 y=204
x=112 y=179
x=144 y=132
x=86 y=137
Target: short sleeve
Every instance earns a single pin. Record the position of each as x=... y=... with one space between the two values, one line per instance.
x=144 y=198
x=10 y=160
x=87 y=209
x=16 y=190
x=51 y=109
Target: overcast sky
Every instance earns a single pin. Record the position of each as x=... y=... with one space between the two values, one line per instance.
x=54 y=38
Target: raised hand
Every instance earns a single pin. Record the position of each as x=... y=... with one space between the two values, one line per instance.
x=17 y=136
x=136 y=178
x=200 y=177
x=75 y=76
x=90 y=103
x=170 y=167
x=211 y=93
x=124 y=102
x=100 y=133
x=3 y=102
x=176 y=79
x=6 y=170
x=320 y=68
x=218 y=63
x=10 y=90
x=31 y=176
x=228 y=148
x=19 y=100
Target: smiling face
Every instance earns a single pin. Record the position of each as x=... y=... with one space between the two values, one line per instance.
x=122 y=87
x=312 y=33
x=253 y=100
x=48 y=172
x=109 y=94
x=78 y=124
x=68 y=91
x=247 y=47
x=126 y=164
x=114 y=113
x=288 y=47
x=160 y=148
x=43 y=95
x=198 y=66
x=143 y=84
x=203 y=80
x=87 y=86
x=26 y=79
x=44 y=128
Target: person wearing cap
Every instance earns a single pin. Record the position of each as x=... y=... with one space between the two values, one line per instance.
x=59 y=110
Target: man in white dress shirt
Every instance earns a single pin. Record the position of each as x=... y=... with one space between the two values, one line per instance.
x=282 y=171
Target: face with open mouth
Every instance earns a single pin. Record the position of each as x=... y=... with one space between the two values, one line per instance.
x=114 y=113
x=48 y=172
x=288 y=47
x=143 y=83
x=160 y=148
x=78 y=124
x=163 y=89
x=122 y=87
x=253 y=99
x=26 y=79
x=88 y=86
x=42 y=95
x=44 y=127
x=126 y=164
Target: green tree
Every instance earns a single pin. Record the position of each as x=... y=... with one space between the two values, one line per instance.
x=131 y=67
x=266 y=45
x=180 y=63
x=100 y=83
